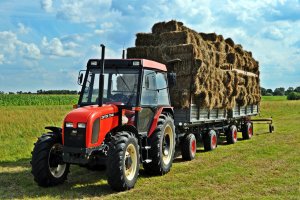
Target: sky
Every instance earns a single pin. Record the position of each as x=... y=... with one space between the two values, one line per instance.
x=44 y=43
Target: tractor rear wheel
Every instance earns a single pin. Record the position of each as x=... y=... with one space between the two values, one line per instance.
x=210 y=140
x=188 y=147
x=123 y=161
x=247 y=130
x=231 y=135
x=162 y=143
x=47 y=164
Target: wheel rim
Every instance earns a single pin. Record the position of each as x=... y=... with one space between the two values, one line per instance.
x=193 y=147
x=168 y=144
x=214 y=141
x=250 y=132
x=130 y=162
x=56 y=166
x=235 y=135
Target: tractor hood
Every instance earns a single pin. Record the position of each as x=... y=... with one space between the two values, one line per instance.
x=95 y=123
x=86 y=113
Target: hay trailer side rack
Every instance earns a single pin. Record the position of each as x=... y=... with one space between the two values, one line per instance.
x=268 y=121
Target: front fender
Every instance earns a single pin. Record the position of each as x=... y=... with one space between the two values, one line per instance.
x=54 y=129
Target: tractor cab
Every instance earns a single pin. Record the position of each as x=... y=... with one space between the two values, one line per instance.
x=136 y=86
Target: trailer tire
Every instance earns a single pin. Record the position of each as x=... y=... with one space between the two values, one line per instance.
x=247 y=131
x=123 y=161
x=210 y=140
x=271 y=128
x=48 y=168
x=188 y=147
x=162 y=143
x=231 y=135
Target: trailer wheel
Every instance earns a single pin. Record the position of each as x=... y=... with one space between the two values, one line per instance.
x=123 y=161
x=231 y=135
x=188 y=147
x=247 y=131
x=271 y=128
x=47 y=164
x=210 y=140
x=162 y=143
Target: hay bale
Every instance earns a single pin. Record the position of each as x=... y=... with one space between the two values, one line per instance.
x=230 y=42
x=163 y=27
x=204 y=73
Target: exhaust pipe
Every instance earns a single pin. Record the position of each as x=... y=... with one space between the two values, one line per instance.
x=123 y=54
x=101 y=82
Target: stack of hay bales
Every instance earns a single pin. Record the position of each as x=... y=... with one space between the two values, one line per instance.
x=214 y=72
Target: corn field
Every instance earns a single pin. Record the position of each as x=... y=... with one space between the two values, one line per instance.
x=36 y=100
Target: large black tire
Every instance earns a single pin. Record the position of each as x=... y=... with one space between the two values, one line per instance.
x=210 y=140
x=48 y=168
x=162 y=143
x=123 y=161
x=247 y=130
x=231 y=134
x=188 y=147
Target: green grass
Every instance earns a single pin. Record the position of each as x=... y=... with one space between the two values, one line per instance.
x=34 y=99
x=274 y=98
x=265 y=167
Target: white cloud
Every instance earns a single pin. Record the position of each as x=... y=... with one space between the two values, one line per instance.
x=99 y=31
x=11 y=48
x=86 y=11
x=47 y=5
x=1 y=59
x=56 y=48
x=23 y=29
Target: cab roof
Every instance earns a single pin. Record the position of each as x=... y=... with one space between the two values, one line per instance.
x=149 y=64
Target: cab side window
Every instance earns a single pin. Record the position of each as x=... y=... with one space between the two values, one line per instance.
x=149 y=90
x=162 y=89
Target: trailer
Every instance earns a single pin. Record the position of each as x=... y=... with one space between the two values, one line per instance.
x=208 y=125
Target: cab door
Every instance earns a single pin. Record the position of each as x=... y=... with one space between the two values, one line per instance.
x=149 y=98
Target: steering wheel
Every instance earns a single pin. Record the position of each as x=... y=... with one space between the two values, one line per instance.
x=119 y=97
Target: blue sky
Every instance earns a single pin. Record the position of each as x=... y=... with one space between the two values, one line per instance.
x=43 y=43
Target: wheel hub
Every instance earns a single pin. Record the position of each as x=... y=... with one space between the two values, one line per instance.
x=56 y=165
x=130 y=162
x=167 y=144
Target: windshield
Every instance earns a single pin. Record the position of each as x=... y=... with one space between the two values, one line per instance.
x=120 y=87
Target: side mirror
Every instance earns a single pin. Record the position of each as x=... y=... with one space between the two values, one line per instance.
x=80 y=77
x=171 y=79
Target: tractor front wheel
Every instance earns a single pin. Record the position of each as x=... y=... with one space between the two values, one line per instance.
x=47 y=164
x=123 y=161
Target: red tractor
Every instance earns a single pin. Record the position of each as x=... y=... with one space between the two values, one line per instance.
x=123 y=119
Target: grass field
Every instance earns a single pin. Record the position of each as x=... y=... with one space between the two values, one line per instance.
x=265 y=167
x=36 y=99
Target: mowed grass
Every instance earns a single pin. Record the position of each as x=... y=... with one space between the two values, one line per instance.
x=265 y=167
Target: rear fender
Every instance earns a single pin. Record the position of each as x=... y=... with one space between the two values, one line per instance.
x=156 y=117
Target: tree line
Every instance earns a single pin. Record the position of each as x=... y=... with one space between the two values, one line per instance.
x=44 y=92
x=291 y=93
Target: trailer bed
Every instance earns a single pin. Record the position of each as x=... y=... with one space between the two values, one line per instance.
x=198 y=115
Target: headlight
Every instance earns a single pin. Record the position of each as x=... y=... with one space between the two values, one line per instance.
x=69 y=125
x=81 y=125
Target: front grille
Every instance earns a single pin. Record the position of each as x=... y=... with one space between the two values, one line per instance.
x=74 y=137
